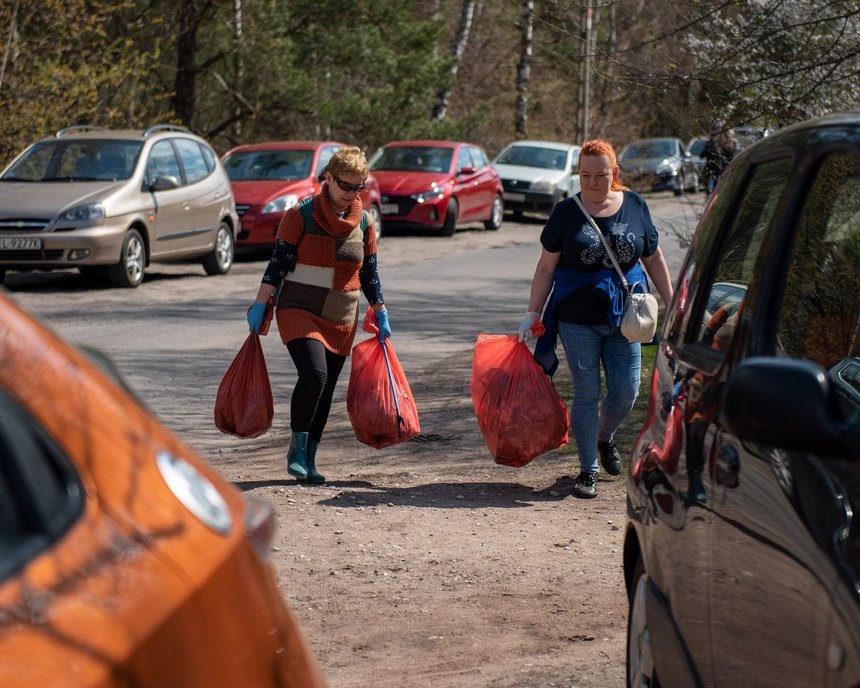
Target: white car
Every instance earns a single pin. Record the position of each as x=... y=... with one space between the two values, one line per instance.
x=537 y=174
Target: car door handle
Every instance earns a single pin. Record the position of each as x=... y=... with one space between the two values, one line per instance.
x=728 y=467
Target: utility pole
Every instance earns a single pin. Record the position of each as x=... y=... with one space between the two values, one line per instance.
x=586 y=83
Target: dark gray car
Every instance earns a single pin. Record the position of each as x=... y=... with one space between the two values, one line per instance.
x=661 y=164
x=742 y=551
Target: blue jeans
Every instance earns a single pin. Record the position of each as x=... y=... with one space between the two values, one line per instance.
x=586 y=348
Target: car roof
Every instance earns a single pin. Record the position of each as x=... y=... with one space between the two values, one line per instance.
x=284 y=145
x=430 y=142
x=101 y=133
x=542 y=144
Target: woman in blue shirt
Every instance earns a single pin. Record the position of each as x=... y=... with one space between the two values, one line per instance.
x=585 y=307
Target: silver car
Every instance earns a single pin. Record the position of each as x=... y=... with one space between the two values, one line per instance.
x=537 y=174
x=114 y=201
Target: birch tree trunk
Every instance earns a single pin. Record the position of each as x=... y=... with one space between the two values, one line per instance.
x=441 y=108
x=524 y=69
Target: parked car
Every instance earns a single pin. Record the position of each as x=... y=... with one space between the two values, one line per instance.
x=268 y=178
x=116 y=201
x=747 y=136
x=537 y=174
x=662 y=164
x=742 y=550
x=437 y=185
x=125 y=560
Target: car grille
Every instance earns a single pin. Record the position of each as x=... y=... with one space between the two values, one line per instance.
x=243 y=208
x=405 y=203
x=24 y=256
x=515 y=185
x=23 y=225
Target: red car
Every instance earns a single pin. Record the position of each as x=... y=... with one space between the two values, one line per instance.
x=268 y=178
x=437 y=185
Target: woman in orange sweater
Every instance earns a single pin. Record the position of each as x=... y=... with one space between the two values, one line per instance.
x=324 y=257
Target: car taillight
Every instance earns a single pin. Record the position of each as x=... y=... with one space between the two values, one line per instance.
x=260 y=525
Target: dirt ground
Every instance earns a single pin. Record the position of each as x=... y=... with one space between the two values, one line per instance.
x=426 y=564
x=422 y=564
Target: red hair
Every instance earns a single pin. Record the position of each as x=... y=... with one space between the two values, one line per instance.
x=599 y=147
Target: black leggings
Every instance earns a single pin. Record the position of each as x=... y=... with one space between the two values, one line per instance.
x=318 y=370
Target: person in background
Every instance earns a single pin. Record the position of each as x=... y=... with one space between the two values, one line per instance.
x=718 y=153
x=585 y=307
x=324 y=256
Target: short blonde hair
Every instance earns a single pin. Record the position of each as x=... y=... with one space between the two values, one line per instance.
x=350 y=161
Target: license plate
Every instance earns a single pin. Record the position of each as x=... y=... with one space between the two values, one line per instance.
x=516 y=197
x=390 y=209
x=20 y=244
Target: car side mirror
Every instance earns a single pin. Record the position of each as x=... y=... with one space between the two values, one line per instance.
x=467 y=169
x=790 y=404
x=164 y=183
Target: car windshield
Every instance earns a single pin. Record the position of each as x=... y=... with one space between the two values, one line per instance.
x=75 y=161
x=532 y=156
x=246 y=166
x=648 y=149
x=413 y=159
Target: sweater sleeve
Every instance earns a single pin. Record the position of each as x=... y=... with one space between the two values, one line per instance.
x=283 y=260
x=369 y=277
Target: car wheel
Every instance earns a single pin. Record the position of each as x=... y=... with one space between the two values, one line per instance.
x=497 y=213
x=220 y=260
x=375 y=216
x=450 y=225
x=128 y=272
x=640 y=660
x=681 y=186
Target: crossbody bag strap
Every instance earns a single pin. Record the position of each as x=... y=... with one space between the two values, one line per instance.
x=605 y=242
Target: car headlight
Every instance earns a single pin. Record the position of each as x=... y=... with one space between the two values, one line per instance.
x=280 y=204
x=667 y=166
x=84 y=213
x=432 y=194
x=543 y=185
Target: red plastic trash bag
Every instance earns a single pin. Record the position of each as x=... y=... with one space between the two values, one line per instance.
x=520 y=412
x=244 y=406
x=378 y=399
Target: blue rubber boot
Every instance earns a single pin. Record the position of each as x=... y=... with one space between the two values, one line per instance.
x=314 y=476
x=297 y=457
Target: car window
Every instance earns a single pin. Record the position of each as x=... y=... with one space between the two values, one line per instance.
x=819 y=318
x=162 y=162
x=40 y=496
x=413 y=159
x=84 y=161
x=209 y=156
x=325 y=156
x=192 y=160
x=479 y=158
x=254 y=165
x=740 y=253
x=464 y=159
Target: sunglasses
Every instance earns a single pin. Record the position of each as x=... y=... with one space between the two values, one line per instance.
x=353 y=188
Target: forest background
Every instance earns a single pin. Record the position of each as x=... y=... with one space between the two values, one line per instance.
x=371 y=71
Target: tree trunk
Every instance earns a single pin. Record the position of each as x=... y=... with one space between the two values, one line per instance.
x=10 y=43
x=444 y=96
x=524 y=69
x=191 y=12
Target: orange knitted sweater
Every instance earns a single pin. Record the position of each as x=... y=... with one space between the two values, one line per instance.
x=320 y=298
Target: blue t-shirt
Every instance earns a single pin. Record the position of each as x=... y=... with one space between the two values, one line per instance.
x=631 y=234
